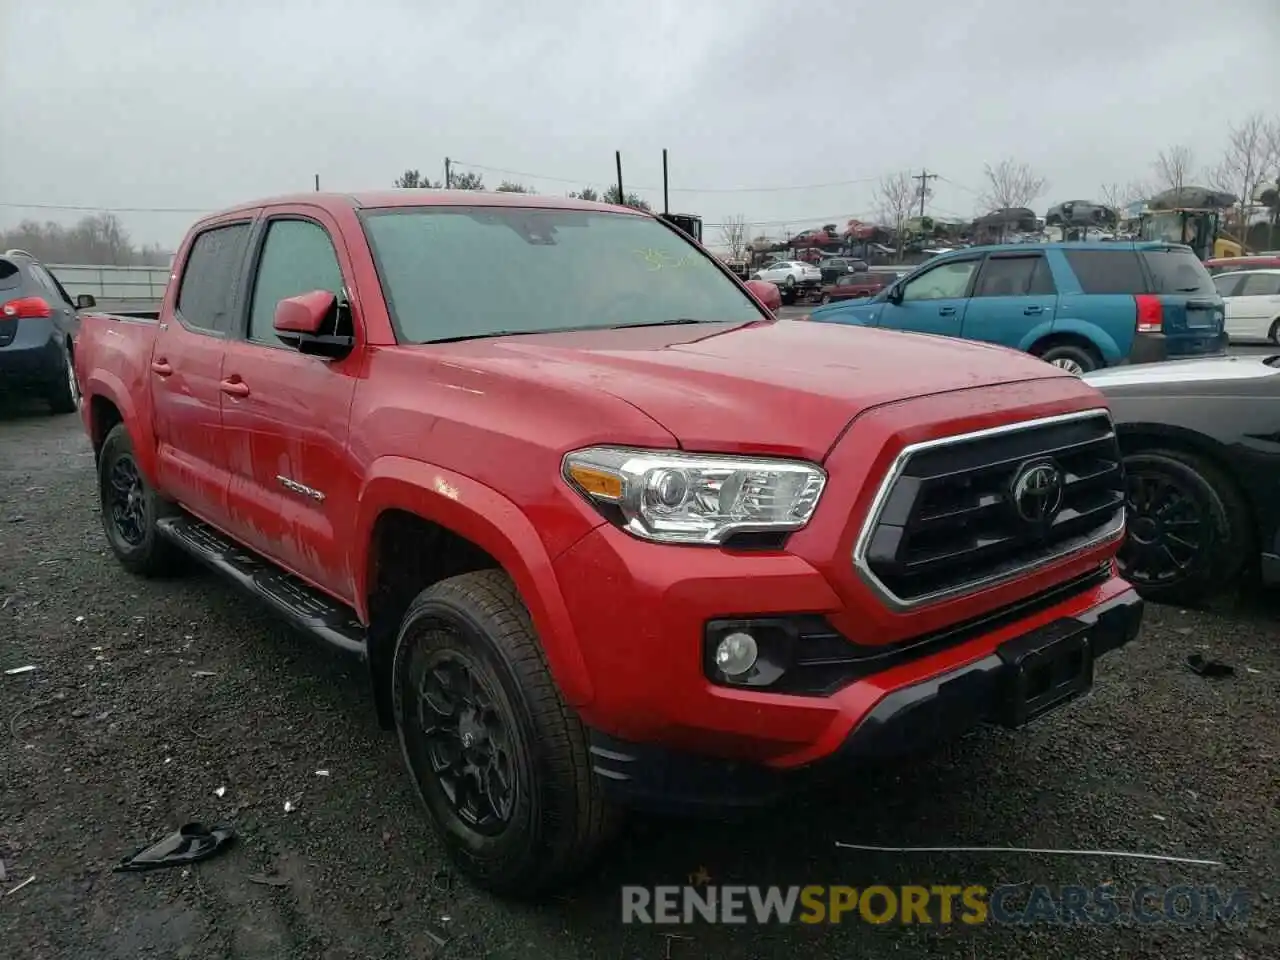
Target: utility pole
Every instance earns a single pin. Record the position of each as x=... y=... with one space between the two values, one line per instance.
x=448 y=175
x=924 y=176
x=666 y=207
x=622 y=197
x=317 y=183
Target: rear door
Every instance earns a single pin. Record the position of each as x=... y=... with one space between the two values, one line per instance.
x=186 y=371
x=1014 y=301
x=934 y=300
x=1192 y=311
x=1257 y=306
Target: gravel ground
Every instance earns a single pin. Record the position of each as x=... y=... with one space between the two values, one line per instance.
x=119 y=736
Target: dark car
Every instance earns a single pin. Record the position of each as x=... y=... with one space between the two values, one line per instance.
x=1201 y=447
x=38 y=325
x=852 y=286
x=835 y=267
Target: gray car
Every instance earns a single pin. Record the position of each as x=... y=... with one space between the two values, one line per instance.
x=38 y=324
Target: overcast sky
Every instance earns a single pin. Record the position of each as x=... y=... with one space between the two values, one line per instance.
x=190 y=104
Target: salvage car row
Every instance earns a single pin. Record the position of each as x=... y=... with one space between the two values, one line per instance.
x=825 y=543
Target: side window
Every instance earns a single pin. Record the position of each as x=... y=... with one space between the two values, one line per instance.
x=1228 y=284
x=208 y=280
x=1107 y=271
x=848 y=280
x=1006 y=277
x=1259 y=285
x=297 y=257
x=946 y=282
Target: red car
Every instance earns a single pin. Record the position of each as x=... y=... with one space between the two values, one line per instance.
x=852 y=286
x=621 y=538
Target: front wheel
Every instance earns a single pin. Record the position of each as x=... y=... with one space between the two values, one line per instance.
x=498 y=760
x=826 y=298
x=1073 y=359
x=1188 y=528
x=1274 y=334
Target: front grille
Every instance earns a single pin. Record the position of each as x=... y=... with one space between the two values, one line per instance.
x=947 y=522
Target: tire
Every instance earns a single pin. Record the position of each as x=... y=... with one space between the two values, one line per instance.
x=138 y=544
x=64 y=394
x=1176 y=494
x=550 y=820
x=790 y=282
x=1274 y=334
x=826 y=298
x=1070 y=357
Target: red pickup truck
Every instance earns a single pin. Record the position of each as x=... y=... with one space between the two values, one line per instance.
x=623 y=539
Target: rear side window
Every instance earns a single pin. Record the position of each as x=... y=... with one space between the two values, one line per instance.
x=10 y=275
x=1107 y=271
x=1260 y=285
x=1178 y=271
x=1228 y=284
x=1014 y=277
x=206 y=296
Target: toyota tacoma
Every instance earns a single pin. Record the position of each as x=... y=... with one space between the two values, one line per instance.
x=621 y=539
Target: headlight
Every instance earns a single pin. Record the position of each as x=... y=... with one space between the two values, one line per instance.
x=687 y=498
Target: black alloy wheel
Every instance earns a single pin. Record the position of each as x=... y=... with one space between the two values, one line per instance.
x=461 y=736
x=1188 y=529
x=130 y=510
x=124 y=500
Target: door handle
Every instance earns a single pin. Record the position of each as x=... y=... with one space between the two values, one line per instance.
x=1032 y=311
x=946 y=311
x=161 y=368
x=235 y=388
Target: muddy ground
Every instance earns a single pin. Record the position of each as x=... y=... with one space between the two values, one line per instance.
x=155 y=704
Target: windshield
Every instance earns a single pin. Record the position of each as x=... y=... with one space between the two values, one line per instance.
x=1178 y=271
x=460 y=272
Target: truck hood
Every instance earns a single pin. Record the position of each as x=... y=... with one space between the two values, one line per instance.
x=782 y=387
x=1175 y=376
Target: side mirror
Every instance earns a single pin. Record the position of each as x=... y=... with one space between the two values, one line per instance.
x=85 y=300
x=894 y=293
x=767 y=293
x=309 y=322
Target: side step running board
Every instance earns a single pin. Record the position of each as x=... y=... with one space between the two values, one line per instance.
x=301 y=604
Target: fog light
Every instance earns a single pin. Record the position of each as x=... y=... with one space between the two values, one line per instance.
x=736 y=654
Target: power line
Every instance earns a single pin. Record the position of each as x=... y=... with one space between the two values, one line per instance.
x=584 y=182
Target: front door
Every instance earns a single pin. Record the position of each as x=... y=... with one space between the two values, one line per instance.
x=292 y=485
x=186 y=373
x=1014 y=300
x=933 y=301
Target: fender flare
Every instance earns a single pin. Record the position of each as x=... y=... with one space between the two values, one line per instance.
x=488 y=519
x=105 y=384
x=1041 y=330
x=1101 y=340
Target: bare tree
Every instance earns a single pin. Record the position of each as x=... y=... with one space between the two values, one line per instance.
x=1173 y=166
x=586 y=193
x=1249 y=160
x=97 y=239
x=1011 y=183
x=733 y=234
x=1117 y=196
x=467 y=180
x=510 y=186
x=896 y=194
x=414 y=178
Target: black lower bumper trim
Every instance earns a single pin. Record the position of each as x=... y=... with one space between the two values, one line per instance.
x=999 y=688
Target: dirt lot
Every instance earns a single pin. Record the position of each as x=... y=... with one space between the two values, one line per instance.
x=119 y=736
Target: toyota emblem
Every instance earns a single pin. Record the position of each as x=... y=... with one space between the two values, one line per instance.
x=1037 y=492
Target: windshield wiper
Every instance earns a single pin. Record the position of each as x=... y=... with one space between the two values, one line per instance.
x=675 y=321
x=506 y=333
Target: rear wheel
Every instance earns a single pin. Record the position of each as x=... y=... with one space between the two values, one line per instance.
x=1188 y=527
x=498 y=760
x=130 y=510
x=826 y=298
x=1274 y=334
x=64 y=392
x=1072 y=358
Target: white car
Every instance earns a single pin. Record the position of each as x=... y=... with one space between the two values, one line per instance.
x=791 y=275
x=1252 y=299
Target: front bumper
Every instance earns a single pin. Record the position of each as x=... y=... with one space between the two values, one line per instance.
x=907 y=720
x=32 y=359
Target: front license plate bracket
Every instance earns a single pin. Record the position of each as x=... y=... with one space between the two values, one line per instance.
x=1044 y=670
